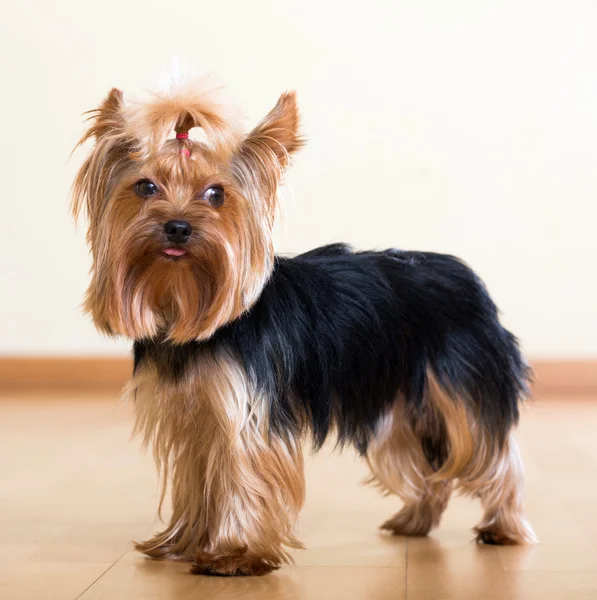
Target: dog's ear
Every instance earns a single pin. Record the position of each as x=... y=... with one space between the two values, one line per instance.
x=265 y=153
x=107 y=158
x=107 y=118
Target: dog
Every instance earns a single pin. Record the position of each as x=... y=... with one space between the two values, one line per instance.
x=241 y=355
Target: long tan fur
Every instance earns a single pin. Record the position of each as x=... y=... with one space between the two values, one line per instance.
x=236 y=491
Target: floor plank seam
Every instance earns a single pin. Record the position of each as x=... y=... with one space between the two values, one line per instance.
x=100 y=576
x=406 y=571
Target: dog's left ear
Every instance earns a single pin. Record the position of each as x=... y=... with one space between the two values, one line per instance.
x=265 y=153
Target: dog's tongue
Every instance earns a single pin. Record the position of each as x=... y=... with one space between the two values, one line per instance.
x=174 y=251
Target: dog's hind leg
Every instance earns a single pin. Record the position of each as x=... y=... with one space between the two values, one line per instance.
x=400 y=464
x=418 y=516
x=486 y=464
x=500 y=491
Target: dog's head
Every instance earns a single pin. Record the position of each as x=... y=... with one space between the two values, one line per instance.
x=180 y=231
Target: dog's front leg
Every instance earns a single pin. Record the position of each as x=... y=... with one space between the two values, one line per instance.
x=237 y=489
x=253 y=501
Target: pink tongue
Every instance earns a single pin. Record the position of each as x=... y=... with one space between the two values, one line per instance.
x=174 y=251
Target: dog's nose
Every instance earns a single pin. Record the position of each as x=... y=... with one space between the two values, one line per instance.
x=178 y=231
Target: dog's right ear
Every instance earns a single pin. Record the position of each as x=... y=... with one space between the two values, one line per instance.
x=107 y=158
x=265 y=153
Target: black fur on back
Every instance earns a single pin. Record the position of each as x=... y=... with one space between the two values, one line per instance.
x=340 y=334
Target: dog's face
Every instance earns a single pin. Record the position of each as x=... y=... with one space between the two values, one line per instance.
x=180 y=231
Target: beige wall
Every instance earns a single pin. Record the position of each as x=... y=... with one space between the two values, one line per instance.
x=464 y=127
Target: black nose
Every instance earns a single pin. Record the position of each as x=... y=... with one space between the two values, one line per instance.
x=178 y=231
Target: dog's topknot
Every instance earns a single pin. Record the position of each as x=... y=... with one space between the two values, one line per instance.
x=180 y=104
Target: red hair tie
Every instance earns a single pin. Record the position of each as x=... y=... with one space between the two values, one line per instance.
x=183 y=135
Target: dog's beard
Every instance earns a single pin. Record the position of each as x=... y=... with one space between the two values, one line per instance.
x=142 y=293
x=180 y=300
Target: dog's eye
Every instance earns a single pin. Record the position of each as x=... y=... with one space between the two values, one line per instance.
x=214 y=195
x=146 y=188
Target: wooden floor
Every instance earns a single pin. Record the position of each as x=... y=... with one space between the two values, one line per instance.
x=74 y=492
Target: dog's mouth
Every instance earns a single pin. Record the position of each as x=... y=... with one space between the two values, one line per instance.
x=174 y=252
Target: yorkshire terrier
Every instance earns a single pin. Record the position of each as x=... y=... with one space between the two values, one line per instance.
x=239 y=354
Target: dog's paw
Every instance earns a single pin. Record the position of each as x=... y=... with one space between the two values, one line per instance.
x=518 y=532
x=493 y=536
x=232 y=564
x=408 y=522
